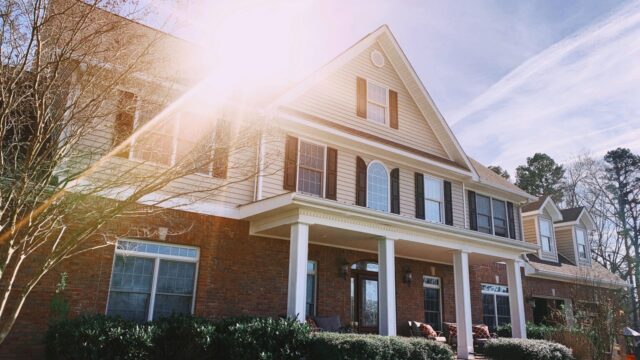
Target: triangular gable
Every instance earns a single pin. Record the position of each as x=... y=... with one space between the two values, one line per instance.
x=383 y=39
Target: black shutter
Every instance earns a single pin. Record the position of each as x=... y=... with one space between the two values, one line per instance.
x=448 y=204
x=512 y=220
x=473 y=219
x=361 y=97
x=290 y=164
x=419 y=178
x=221 y=150
x=331 y=190
x=361 y=182
x=393 y=109
x=123 y=125
x=395 y=191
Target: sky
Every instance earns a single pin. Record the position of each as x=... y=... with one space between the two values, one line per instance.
x=510 y=77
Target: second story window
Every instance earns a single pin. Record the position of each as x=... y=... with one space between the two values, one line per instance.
x=500 y=218
x=311 y=168
x=581 y=240
x=546 y=235
x=377 y=187
x=483 y=204
x=155 y=144
x=376 y=103
x=433 y=199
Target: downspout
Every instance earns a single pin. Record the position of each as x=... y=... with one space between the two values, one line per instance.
x=260 y=165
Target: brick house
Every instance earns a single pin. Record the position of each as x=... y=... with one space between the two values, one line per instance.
x=365 y=207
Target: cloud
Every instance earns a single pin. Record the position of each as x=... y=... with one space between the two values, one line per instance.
x=582 y=93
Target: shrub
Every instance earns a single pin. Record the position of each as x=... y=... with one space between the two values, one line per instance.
x=333 y=346
x=98 y=337
x=260 y=338
x=539 y=332
x=183 y=337
x=525 y=349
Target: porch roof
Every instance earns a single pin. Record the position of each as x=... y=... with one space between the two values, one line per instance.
x=353 y=226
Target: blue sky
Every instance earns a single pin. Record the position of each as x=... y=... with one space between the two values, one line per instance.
x=511 y=77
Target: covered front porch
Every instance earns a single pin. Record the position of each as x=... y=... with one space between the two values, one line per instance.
x=392 y=242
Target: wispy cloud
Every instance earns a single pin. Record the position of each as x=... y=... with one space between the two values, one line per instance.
x=582 y=93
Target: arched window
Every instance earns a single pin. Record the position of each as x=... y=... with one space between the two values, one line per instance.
x=377 y=187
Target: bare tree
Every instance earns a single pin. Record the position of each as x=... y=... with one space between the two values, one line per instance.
x=84 y=91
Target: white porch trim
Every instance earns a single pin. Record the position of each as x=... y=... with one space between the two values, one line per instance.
x=516 y=300
x=298 y=257
x=463 y=304
x=387 y=287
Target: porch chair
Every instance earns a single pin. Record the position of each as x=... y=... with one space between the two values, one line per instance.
x=418 y=329
x=480 y=334
x=328 y=323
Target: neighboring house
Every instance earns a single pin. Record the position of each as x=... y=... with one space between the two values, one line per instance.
x=562 y=273
x=369 y=209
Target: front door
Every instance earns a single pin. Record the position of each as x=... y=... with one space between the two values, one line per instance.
x=365 y=301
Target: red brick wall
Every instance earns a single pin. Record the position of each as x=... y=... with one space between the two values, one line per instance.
x=243 y=275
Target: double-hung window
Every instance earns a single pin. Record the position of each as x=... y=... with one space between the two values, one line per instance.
x=433 y=199
x=155 y=144
x=491 y=215
x=546 y=235
x=483 y=206
x=581 y=240
x=495 y=305
x=311 y=168
x=377 y=102
x=500 y=227
x=150 y=280
x=432 y=304
x=312 y=276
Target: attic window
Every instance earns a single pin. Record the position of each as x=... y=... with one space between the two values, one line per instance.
x=582 y=244
x=545 y=235
x=376 y=103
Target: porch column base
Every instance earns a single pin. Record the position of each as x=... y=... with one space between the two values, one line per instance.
x=298 y=257
x=516 y=300
x=463 y=304
x=387 y=287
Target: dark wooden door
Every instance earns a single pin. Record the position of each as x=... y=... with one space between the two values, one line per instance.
x=365 y=286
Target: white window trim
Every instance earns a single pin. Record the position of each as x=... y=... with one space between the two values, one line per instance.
x=552 y=247
x=324 y=166
x=386 y=106
x=156 y=265
x=495 y=301
x=441 y=201
x=438 y=287
x=587 y=258
x=388 y=184
x=546 y=255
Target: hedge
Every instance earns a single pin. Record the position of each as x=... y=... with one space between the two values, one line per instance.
x=539 y=332
x=333 y=346
x=103 y=337
x=525 y=349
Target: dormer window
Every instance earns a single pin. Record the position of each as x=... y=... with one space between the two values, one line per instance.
x=581 y=241
x=545 y=235
x=376 y=103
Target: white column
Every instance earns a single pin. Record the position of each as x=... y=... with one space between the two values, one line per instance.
x=298 y=256
x=463 y=304
x=387 y=287
x=516 y=300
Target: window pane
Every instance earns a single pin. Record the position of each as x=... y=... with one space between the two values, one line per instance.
x=154 y=144
x=488 y=311
x=376 y=113
x=311 y=295
x=483 y=208
x=433 y=189
x=176 y=277
x=484 y=224
x=433 y=210
x=376 y=93
x=502 y=307
x=499 y=218
x=432 y=307
x=545 y=227
x=167 y=305
x=311 y=168
x=156 y=248
x=130 y=287
x=546 y=243
x=377 y=187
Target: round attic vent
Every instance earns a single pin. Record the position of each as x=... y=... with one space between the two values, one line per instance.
x=377 y=58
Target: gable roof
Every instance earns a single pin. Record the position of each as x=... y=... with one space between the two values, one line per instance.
x=487 y=176
x=407 y=74
x=544 y=202
x=571 y=214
